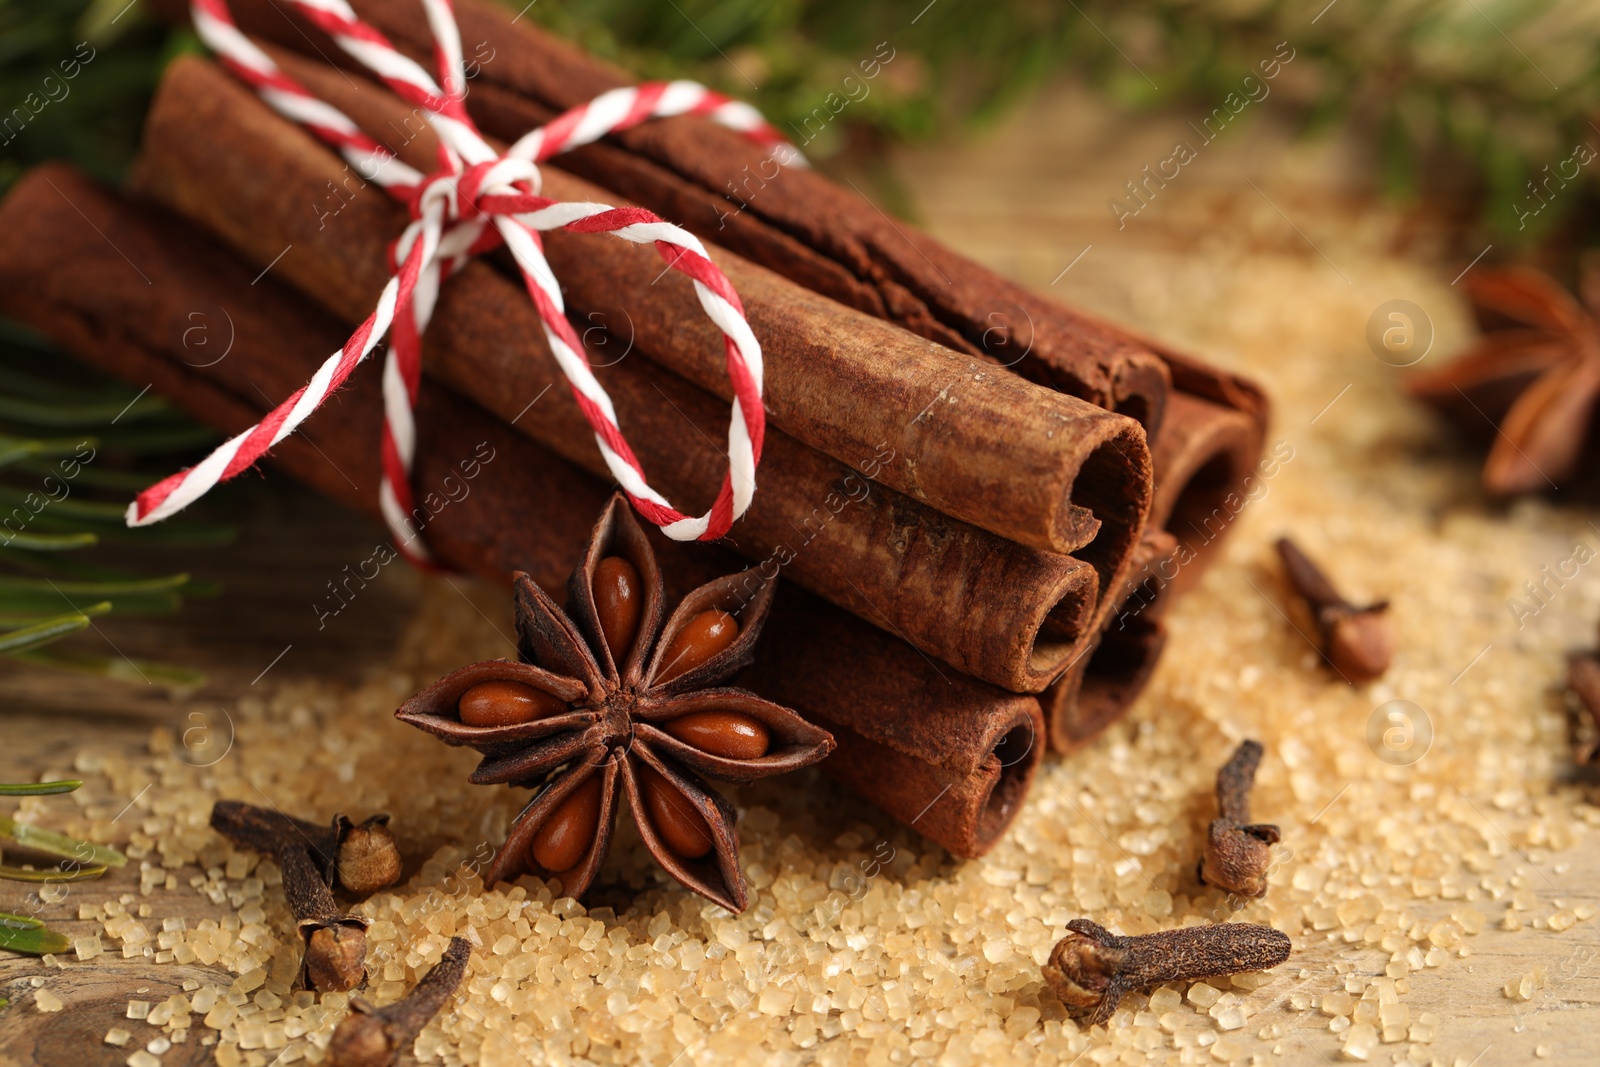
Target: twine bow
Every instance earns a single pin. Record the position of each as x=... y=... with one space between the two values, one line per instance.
x=477 y=200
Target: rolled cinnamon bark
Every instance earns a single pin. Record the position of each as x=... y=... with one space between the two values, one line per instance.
x=898 y=715
x=1204 y=457
x=984 y=447
x=693 y=172
x=1206 y=470
x=1117 y=673
x=121 y=285
x=1095 y=691
x=1010 y=614
x=791 y=220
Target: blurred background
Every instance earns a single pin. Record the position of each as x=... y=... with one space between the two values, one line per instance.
x=1466 y=110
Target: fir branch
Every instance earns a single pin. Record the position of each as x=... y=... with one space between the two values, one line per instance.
x=63 y=494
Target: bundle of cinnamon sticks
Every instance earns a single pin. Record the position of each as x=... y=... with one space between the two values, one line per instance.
x=978 y=542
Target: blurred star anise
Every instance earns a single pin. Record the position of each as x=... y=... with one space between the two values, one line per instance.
x=607 y=700
x=1532 y=380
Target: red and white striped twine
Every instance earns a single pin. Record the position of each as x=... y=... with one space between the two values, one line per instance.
x=477 y=200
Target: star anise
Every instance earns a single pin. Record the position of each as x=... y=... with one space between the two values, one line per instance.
x=1532 y=380
x=607 y=700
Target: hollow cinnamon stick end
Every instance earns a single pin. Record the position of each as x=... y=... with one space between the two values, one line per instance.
x=1031 y=661
x=1097 y=690
x=1085 y=702
x=965 y=809
x=1206 y=460
x=1140 y=386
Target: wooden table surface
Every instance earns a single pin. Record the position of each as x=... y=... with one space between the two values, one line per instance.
x=291 y=543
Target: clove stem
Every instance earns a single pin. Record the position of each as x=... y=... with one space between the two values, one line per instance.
x=361 y=857
x=266 y=831
x=374 y=1037
x=1357 y=642
x=1237 y=852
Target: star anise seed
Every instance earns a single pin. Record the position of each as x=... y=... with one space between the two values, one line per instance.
x=608 y=700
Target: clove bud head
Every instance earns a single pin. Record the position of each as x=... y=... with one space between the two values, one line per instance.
x=1359 y=642
x=1238 y=852
x=369 y=857
x=1237 y=858
x=375 y=1037
x=361 y=1040
x=336 y=953
x=1080 y=970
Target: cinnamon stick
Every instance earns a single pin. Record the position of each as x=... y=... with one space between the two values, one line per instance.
x=1009 y=614
x=1095 y=691
x=1206 y=473
x=803 y=227
x=899 y=716
x=981 y=446
x=1205 y=458
x=120 y=285
x=792 y=220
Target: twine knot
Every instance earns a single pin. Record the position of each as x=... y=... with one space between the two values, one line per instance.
x=479 y=199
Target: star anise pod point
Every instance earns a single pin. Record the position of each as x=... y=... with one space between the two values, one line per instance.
x=1532 y=380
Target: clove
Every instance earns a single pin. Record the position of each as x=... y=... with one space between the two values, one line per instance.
x=1583 y=678
x=1357 y=642
x=375 y=1037
x=361 y=858
x=1238 y=852
x=1091 y=969
x=336 y=942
